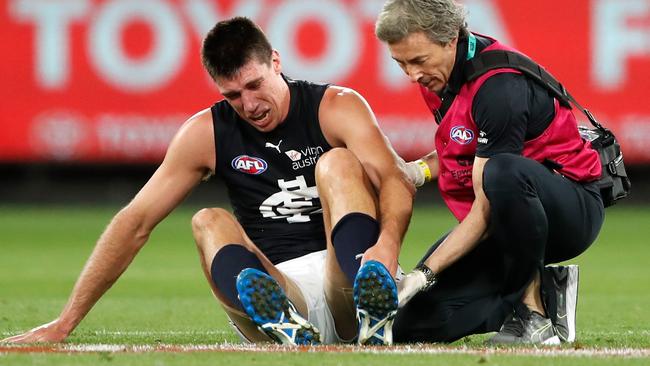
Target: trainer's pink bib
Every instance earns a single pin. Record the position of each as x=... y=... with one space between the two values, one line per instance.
x=457 y=136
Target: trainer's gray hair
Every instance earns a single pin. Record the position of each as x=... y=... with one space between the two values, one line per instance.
x=440 y=20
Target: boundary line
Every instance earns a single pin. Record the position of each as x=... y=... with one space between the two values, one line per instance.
x=412 y=349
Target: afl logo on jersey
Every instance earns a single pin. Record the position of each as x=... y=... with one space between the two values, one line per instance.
x=462 y=135
x=249 y=165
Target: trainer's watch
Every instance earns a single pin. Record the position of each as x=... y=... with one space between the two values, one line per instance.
x=431 y=278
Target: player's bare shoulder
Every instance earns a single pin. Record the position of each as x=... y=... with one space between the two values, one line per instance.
x=340 y=97
x=194 y=142
x=201 y=121
x=342 y=109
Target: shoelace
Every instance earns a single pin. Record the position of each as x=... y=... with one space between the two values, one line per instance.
x=515 y=324
x=522 y=312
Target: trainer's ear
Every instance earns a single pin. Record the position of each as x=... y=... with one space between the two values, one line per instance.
x=453 y=43
x=275 y=62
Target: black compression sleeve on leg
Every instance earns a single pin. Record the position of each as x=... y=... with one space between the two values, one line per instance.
x=353 y=235
x=226 y=265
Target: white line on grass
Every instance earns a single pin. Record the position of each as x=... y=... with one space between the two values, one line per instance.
x=401 y=350
x=145 y=333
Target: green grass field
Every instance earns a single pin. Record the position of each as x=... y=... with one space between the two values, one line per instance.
x=163 y=298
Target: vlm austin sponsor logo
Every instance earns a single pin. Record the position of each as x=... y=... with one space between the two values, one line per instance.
x=462 y=135
x=249 y=165
x=305 y=157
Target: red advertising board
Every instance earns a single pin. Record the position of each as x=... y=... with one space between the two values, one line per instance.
x=112 y=80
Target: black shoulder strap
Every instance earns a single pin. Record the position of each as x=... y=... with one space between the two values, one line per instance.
x=499 y=59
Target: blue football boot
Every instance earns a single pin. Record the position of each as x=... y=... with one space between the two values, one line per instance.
x=375 y=296
x=268 y=306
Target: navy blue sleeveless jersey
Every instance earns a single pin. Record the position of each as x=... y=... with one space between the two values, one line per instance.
x=271 y=176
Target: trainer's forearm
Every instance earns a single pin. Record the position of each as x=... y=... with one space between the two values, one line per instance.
x=115 y=250
x=422 y=170
x=432 y=161
x=462 y=239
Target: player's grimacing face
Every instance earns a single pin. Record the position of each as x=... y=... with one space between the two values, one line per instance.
x=256 y=93
x=425 y=62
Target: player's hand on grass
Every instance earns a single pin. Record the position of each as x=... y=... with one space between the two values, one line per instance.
x=46 y=333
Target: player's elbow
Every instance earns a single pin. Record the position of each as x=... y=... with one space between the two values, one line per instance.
x=133 y=224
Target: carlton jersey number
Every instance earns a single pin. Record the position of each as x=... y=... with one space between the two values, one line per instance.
x=295 y=201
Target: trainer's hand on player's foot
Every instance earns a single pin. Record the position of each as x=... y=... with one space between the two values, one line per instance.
x=409 y=286
x=50 y=332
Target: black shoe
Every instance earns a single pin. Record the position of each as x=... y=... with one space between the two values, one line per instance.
x=565 y=285
x=526 y=327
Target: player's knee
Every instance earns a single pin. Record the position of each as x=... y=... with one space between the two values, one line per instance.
x=209 y=217
x=338 y=163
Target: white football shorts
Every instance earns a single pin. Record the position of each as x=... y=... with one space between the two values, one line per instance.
x=308 y=273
